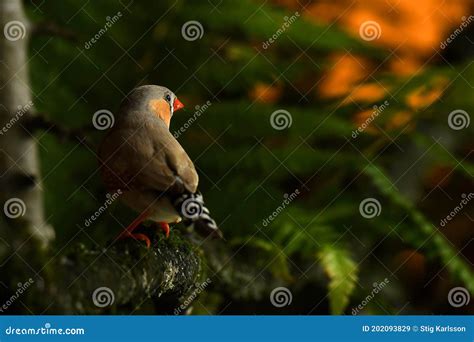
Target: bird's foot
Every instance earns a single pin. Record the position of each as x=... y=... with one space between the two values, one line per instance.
x=136 y=236
x=129 y=231
x=165 y=228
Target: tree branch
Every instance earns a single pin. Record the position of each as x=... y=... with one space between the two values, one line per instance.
x=52 y=29
x=39 y=121
x=122 y=277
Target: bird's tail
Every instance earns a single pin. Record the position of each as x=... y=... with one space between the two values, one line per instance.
x=195 y=213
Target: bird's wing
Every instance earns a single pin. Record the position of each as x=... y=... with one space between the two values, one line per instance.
x=146 y=158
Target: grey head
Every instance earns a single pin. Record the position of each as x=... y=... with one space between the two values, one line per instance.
x=149 y=100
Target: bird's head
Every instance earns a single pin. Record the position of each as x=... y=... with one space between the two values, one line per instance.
x=152 y=100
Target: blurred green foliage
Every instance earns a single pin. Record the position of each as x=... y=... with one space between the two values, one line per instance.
x=245 y=165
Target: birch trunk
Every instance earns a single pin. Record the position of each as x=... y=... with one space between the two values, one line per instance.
x=21 y=195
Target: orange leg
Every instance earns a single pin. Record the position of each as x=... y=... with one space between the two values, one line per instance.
x=137 y=236
x=165 y=227
x=128 y=232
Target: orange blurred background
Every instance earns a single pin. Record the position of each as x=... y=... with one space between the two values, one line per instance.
x=412 y=33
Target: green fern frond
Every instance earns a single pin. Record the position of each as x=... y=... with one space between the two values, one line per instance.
x=342 y=272
x=458 y=268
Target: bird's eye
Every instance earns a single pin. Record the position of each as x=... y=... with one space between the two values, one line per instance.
x=168 y=98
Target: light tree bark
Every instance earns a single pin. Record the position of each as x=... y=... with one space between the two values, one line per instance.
x=19 y=164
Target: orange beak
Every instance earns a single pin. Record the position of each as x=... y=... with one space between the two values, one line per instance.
x=177 y=105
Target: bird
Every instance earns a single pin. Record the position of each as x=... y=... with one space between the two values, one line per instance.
x=141 y=158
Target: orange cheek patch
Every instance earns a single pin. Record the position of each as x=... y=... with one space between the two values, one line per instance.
x=161 y=108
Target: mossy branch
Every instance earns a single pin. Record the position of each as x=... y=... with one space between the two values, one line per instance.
x=124 y=276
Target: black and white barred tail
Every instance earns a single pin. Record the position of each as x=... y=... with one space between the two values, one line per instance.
x=195 y=213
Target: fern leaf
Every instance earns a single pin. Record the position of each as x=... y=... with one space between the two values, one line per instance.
x=458 y=267
x=342 y=273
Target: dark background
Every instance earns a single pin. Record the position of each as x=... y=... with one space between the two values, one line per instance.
x=328 y=79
